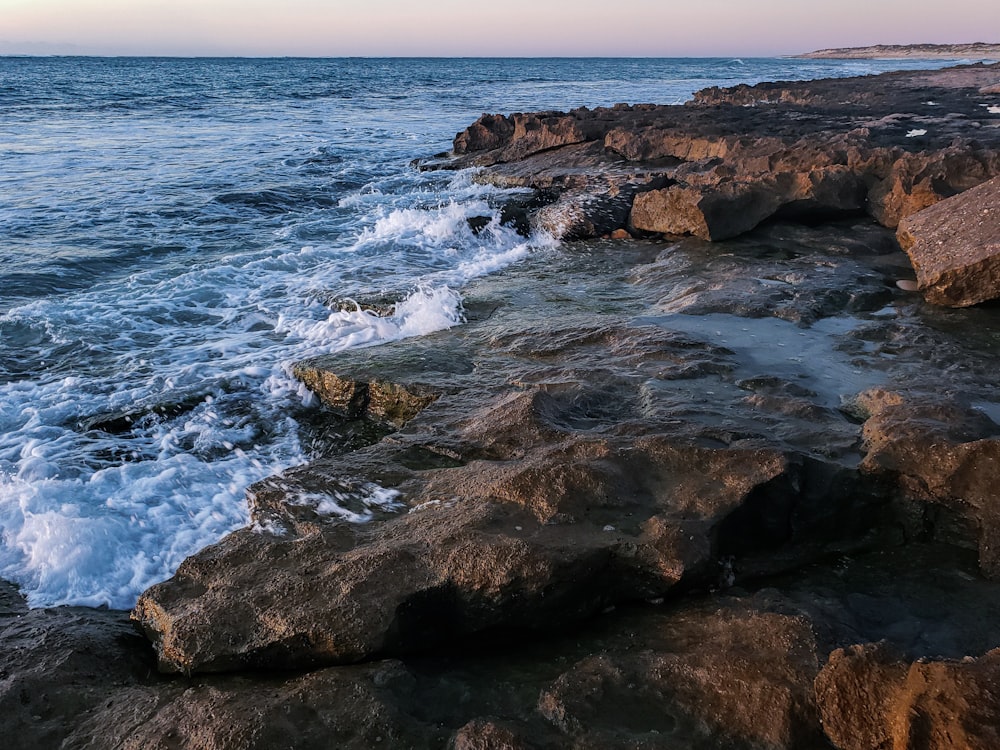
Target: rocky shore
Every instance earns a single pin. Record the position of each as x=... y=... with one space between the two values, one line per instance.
x=706 y=476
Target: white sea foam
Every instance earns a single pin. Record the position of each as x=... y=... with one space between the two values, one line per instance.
x=426 y=310
x=354 y=504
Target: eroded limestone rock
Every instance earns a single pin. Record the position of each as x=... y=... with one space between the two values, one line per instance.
x=521 y=539
x=939 y=451
x=871 y=697
x=955 y=247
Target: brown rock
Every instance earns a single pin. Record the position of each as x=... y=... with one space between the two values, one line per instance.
x=939 y=451
x=747 y=684
x=366 y=395
x=856 y=691
x=355 y=708
x=725 y=211
x=524 y=134
x=563 y=469
x=487 y=734
x=916 y=181
x=870 y=698
x=487 y=133
x=728 y=209
x=58 y=665
x=955 y=247
x=509 y=542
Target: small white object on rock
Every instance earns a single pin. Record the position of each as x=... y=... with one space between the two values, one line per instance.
x=915 y=132
x=609 y=527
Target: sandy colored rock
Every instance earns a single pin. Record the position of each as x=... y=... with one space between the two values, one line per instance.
x=729 y=210
x=870 y=697
x=955 y=247
x=939 y=450
x=975 y=50
x=516 y=541
x=750 y=684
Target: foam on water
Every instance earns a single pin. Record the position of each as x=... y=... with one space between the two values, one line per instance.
x=351 y=503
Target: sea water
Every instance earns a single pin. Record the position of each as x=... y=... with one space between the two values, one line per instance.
x=172 y=235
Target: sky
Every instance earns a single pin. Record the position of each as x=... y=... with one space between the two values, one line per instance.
x=335 y=28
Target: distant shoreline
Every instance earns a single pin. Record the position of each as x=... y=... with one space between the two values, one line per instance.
x=977 y=50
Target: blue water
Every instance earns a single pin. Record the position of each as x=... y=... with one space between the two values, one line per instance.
x=172 y=233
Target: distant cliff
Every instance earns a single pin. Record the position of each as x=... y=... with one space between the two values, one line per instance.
x=975 y=51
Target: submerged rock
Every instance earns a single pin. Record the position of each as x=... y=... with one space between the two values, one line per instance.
x=955 y=247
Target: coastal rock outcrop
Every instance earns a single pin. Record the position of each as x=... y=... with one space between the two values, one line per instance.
x=536 y=523
x=955 y=247
x=601 y=436
x=741 y=668
x=943 y=452
x=887 y=146
x=652 y=494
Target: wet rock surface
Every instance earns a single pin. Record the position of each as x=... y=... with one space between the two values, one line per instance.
x=748 y=667
x=592 y=445
x=621 y=427
x=652 y=494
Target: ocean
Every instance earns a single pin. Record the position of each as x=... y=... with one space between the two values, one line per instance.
x=174 y=234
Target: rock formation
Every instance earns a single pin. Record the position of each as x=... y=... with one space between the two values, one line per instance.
x=955 y=247
x=732 y=158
